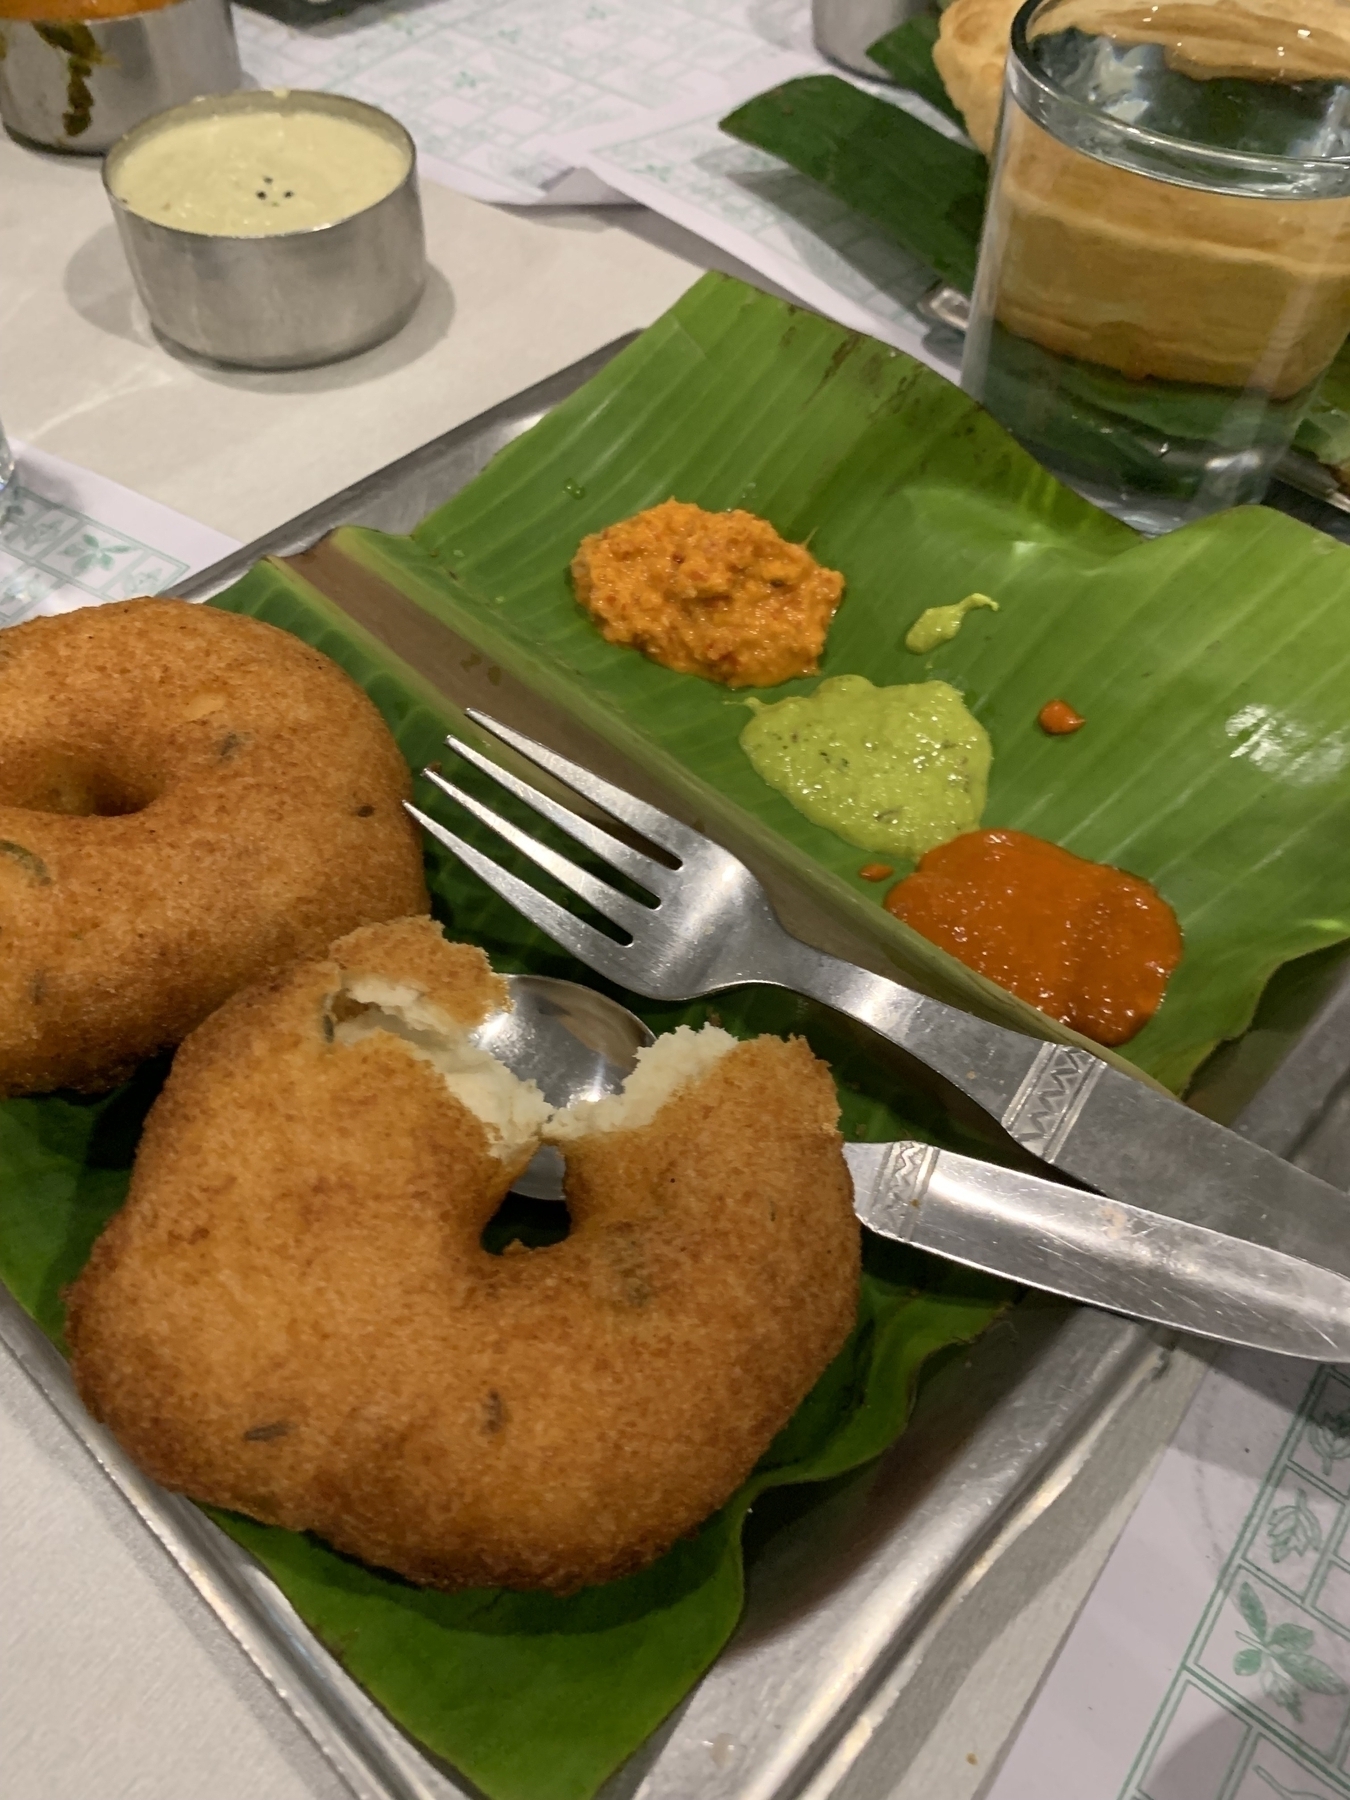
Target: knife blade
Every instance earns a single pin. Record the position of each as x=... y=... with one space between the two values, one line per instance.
x=1108 y=1130
x=1103 y=1252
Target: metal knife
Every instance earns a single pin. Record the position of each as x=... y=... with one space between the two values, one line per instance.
x=1087 y=1247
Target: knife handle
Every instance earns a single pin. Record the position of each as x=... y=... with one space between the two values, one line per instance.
x=1103 y=1252
x=1114 y=1132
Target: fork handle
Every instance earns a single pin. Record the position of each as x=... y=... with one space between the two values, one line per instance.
x=1075 y=1112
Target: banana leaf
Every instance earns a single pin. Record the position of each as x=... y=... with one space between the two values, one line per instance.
x=928 y=194
x=906 y=54
x=1211 y=665
x=530 y=1696
x=924 y=190
x=1325 y=428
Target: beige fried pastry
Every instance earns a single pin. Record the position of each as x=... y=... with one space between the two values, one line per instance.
x=188 y=798
x=1154 y=280
x=716 y=594
x=1255 y=40
x=969 y=54
x=1260 y=40
x=293 y=1314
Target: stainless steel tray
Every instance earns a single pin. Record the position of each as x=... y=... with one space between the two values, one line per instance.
x=844 y=1597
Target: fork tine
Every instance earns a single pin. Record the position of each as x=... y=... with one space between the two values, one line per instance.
x=608 y=901
x=585 y=943
x=643 y=869
x=659 y=827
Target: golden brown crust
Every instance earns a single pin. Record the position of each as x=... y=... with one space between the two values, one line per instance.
x=188 y=798
x=969 y=55
x=716 y=594
x=1161 y=281
x=413 y=953
x=1269 y=40
x=293 y=1315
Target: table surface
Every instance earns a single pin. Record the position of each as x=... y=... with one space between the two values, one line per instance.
x=117 y=1681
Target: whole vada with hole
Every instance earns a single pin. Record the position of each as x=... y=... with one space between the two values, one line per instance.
x=293 y=1315
x=189 y=798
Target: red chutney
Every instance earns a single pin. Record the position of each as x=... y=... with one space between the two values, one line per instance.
x=1057 y=719
x=1086 y=943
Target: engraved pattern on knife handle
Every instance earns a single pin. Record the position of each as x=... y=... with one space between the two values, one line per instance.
x=1045 y=1108
x=901 y=1183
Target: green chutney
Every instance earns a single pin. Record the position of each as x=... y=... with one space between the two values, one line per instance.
x=940 y=624
x=891 y=768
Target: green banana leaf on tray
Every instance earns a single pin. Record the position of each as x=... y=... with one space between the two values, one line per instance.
x=1211 y=665
x=927 y=192
x=530 y=1696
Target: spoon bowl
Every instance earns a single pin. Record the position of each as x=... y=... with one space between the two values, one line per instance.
x=573 y=1043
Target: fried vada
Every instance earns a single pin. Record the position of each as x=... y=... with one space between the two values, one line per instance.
x=971 y=49
x=293 y=1316
x=716 y=594
x=188 y=798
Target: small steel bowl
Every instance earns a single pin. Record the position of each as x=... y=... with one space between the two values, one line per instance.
x=79 y=84
x=292 y=299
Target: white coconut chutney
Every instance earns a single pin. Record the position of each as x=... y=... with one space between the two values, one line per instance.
x=255 y=174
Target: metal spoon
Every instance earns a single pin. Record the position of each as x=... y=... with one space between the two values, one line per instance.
x=573 y=1043
x=580 y=1045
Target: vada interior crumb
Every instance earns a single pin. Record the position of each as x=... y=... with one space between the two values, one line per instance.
x=512 y=1111
x=716 y=594
x=663 y=1068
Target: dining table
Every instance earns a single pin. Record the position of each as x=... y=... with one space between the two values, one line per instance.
x=117 y=1682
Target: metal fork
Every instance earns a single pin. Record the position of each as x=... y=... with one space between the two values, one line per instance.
x=712 y=927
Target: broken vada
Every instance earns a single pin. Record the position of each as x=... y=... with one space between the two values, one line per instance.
x=293 y=1315
x=188 y=798
x=716 y=594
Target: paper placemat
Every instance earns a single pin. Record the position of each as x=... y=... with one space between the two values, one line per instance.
x=1212 y=1661
x=485 y=89
x=581 y=101
x=71 y=538
x=774 y=219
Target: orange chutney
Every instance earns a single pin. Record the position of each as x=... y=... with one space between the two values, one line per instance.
x=1086 y=943
x=68 y=12
x=1057 y=719
x=716 y=594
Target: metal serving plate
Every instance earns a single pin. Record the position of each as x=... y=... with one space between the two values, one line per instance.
x=846 y=1594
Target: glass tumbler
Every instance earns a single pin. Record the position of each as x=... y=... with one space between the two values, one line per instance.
x=1164 y=274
